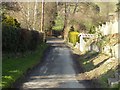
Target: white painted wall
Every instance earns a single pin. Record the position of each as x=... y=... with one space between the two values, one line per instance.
x=109 y=28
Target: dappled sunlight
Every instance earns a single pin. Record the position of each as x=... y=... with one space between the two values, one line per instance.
x=14 y=71
x=57 y=77
x=55 y=42
x=2 y=84
x=40 y=84
x=99 y=66
x=52 y=81
x=6 y=79
x=102 y=69
x=95 y=60
x=100 y=59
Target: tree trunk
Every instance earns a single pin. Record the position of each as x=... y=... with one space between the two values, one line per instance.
x=65 y=22
x=35 y=13
x=28 y=15
x=42 y=22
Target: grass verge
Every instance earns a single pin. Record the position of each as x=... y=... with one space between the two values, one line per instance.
x=15 y=67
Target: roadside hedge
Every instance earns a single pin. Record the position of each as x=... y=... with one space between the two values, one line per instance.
x=16 y=39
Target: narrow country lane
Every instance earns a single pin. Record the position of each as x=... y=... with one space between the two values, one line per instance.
x=57 y=71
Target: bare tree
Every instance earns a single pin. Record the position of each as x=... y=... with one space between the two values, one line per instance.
x=65 y=21
x=28 y=14
x=42 y=17
x=35 y=14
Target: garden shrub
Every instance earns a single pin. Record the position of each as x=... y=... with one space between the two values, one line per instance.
x=73 y=37
x=92 y=30
x=8 y=20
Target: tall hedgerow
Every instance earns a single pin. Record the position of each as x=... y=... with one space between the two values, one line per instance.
x=16 y=39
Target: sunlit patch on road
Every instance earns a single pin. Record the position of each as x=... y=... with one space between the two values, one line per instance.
x=53 y=81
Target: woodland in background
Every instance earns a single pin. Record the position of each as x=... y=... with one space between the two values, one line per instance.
x=22 y=23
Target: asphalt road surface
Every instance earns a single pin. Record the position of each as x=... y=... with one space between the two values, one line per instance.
x=57 y=71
